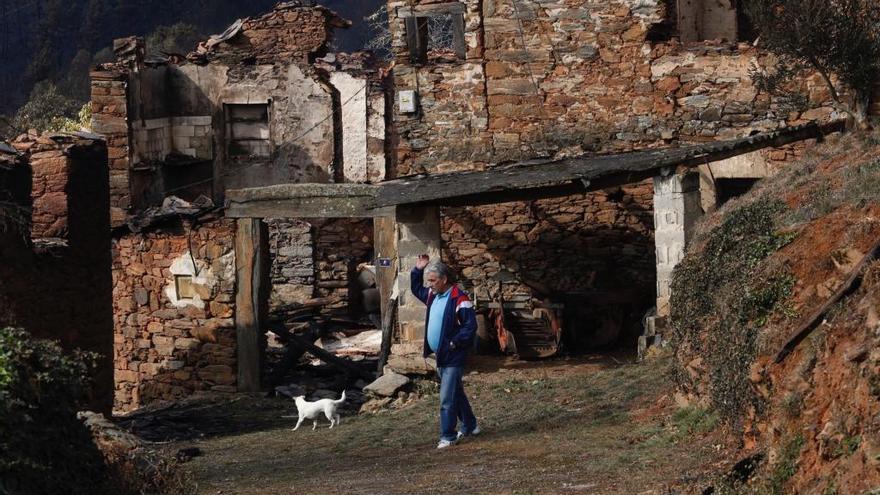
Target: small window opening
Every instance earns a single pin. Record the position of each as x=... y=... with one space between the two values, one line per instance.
x=435 y=33
x=184 y=287
x=247 y=131
x=706 y=20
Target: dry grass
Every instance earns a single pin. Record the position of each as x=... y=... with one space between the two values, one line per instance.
x=563 y=427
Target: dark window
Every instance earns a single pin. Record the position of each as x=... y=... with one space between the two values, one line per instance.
x=727 y=189
x=247 y=131
x=704 y=20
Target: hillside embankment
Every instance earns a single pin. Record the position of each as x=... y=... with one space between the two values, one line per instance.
x=776 y=324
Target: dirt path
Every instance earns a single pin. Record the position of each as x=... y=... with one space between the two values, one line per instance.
x=565 y=426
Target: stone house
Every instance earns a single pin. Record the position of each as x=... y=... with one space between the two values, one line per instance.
x=256 y=172
x=55 y=245
x=261 y=104
x=518 y=80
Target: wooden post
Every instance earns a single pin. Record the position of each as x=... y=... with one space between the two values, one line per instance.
x=385 y=247
x=251 y=266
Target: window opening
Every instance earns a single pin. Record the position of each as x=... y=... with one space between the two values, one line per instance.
x=184 y=287
x=435 y=32
x=247 y=131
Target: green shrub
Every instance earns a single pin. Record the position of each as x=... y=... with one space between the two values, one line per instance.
x=720 y=300
x=45 y=448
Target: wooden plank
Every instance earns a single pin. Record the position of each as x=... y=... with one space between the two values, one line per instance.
x=417 y=39
x=550 y=173
x=528 y=180
x=814 y=319
x=304 y=208
x=458 y=36
x=431 y=10
x=251 y=246
x=332 y=359
x=305 y=201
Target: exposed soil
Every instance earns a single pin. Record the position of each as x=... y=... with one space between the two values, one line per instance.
x=819 y=428
x=598 y=425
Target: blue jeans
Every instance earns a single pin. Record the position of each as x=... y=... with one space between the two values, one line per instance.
x=454 y=404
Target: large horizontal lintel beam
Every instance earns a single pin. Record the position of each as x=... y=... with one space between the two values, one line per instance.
x=535 y=175
x=545 y=192
x=305 y=201
x=307 y=208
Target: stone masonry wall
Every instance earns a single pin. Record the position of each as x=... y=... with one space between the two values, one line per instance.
x=292 y=270
x=563 y=77
x=317 y=258
x=167 y=346
x=340 y=245
x=288 y=33
x=55 y=279
x=561 y=244
x=109 y=118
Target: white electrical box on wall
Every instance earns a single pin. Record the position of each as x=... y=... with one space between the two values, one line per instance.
x=406 y=101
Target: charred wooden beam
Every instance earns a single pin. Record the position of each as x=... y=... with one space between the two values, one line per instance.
x=330 y=358
x=527 y=180
x=814 y=319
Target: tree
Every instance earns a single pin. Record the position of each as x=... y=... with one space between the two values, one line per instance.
x=48 y=110
x=837 y=39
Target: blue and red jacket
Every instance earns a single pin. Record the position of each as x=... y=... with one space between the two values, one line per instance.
x=459 y=322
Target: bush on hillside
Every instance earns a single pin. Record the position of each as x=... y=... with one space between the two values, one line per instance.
x=721 y=299
x=45 y=448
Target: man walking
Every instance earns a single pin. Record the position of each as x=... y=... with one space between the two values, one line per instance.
x=450 y=325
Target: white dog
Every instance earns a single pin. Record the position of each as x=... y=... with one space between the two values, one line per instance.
x=311 y=410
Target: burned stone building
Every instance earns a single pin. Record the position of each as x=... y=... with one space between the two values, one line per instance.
x=257 y=172
x=261 y=104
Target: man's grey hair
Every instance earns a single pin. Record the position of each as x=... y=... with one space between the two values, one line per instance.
x=441 y=269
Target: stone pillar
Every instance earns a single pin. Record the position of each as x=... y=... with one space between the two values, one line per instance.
x=418 y=232
x=676 y=209
x=109 y=101
x=51 y=174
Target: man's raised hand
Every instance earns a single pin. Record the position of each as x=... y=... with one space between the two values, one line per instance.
x=422 y=262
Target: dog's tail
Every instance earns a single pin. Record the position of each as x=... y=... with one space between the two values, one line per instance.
x=341 y=399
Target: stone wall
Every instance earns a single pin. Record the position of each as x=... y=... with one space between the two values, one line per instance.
x=290 y=33
x=317 y=258
x=55 y=278
x=109 y=118
x=591 y=252
x=565 y=77
x=292 y=269
x=340 y=245
x=173 y=312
